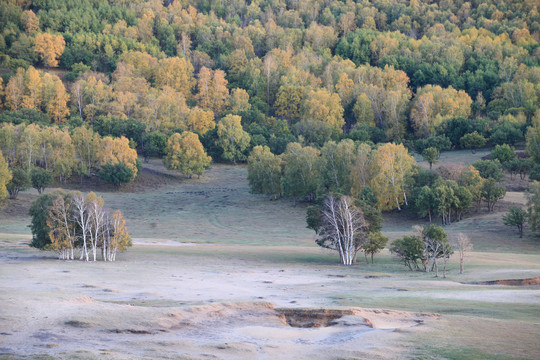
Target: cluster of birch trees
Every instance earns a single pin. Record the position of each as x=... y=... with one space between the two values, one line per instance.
x=76 y=225
x=303 y=172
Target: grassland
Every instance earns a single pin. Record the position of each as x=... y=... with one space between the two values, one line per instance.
x=210 y=260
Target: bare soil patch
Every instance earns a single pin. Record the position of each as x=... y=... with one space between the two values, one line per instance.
x=512 y=282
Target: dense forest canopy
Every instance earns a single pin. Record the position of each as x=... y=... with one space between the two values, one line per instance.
x=424 y=73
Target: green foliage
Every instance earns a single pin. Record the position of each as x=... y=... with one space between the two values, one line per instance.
x=25 y=116
x=409 y=250
x=506 y=133
x=110 y=126
x=40 y=179
x=314 y=217
x=116 y=174
x=374 y=243
x=535 y=173
x=472 y=141
x=503 y=153
x=39 y=212
x=517 y=217
x=456 y=128
x=20 y=181
x=426 y=204
x=533 y=204
x=439 y=142
x=491 y=192
x=489 y=169
x=430 y=155
x=264 y=172
x=154 y=144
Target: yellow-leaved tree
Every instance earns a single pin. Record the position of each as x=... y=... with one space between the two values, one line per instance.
x=116 y=150
x=5 y=176
x=213 y=93
x=320 y=105
x=434 y=105
x=49 y=47
x=200 y=120
x=392 y=167
x=186 y=154
x=57 y=107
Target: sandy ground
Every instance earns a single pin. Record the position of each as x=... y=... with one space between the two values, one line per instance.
x=159 y=303
x=219 y=301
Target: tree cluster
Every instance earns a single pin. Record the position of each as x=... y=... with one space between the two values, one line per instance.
x=77 y=225
x=424 y=249
x=59 y=153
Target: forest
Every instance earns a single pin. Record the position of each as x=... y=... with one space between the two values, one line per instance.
x=318 y=97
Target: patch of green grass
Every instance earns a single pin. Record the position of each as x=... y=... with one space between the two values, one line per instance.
x=456 y=353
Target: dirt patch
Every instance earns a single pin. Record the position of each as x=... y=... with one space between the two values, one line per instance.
x=312 y=318
x=512 y=282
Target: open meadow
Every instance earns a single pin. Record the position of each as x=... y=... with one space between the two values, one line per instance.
x=218 y=273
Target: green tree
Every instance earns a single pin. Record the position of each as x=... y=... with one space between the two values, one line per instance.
x=431 y=155
x=491 y=193
x=39 y=212
x=503 y=153
x=19 y=182
x=375 y=242
x=186 y=154
x=489 y=169
x=409 y=250
x=300 y=172
x=5 y=176
x=517 y=217
x=264 y=172
x=472 y=141
x=115 y=174
x=533 y=203
x=535 y=173
x=232 y=138
x=40 y=179
x=426 y=203
x=154 y=145
x=533 y=138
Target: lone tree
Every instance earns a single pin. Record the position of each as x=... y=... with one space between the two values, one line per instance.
x=40 y=179
x=472 y=141
x=375 y=242
x=19 y=182
x=436 y=247
x=462 y=244
x=491 y=193
x=186 y=154
x=341 y=226
x=517 y=217
x=431 y=155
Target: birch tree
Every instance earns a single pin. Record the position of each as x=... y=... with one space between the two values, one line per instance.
x=343 y=228
x=62 y=228
x=83 y=220
x=392 y=167
x=463 y=244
